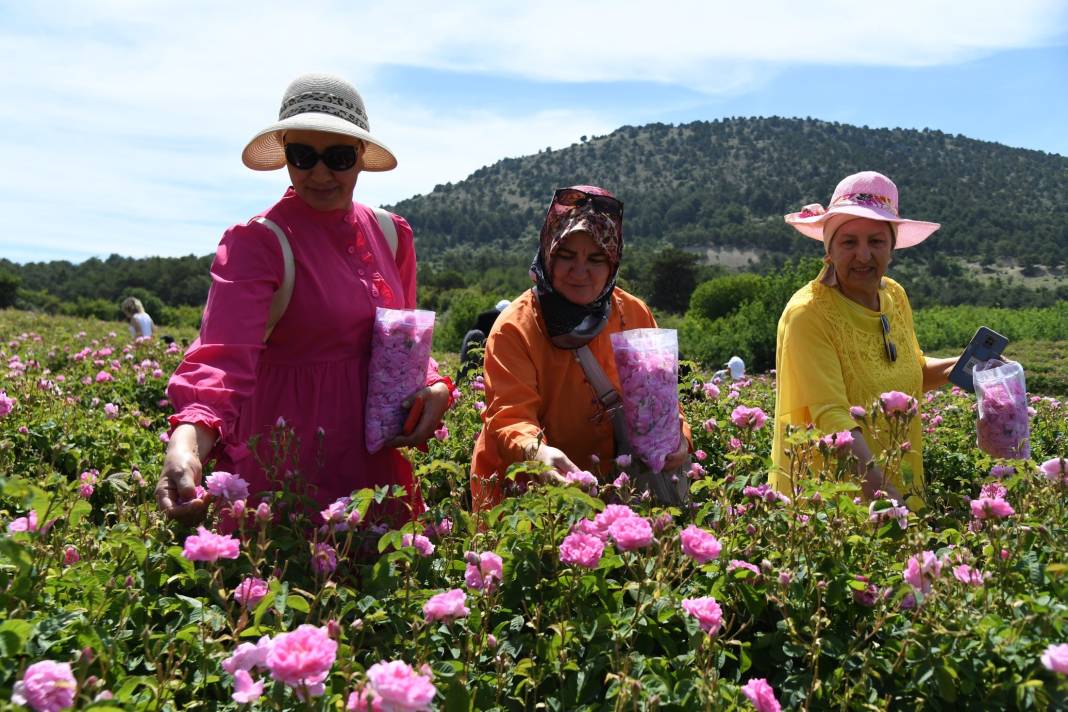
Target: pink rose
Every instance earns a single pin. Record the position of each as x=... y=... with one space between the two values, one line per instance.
x=46 y=686
x=748 y=418
x=761 y=694
x=6 y=404
x=246 y=689
x=582 y=479
x=858 y=413
x=966 y=574
x=250 y=592
x=699 y=545
x=1056 y=658
x=581 y=549
x=324 y=559
x=707 y=612
x=897 y=402
x=111 y=411
x=446 y=606
x=630 y=533
x=922 y=570
x=486 y=573
x=423 y=546
x=991 y=508
x=399 y=687
x=248 y=656
x=1055 y=469
x=225 y=485
x=302 y=658
x=208 y=546
x=23 y=524
x=70 y=556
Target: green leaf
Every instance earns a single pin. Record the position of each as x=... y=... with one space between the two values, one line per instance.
x=13 y=636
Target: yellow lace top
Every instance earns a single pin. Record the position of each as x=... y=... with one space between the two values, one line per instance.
x=830 y=355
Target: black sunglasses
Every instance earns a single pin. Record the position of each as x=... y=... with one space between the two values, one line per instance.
x=573 y=197
x=336 y=158
x=891 y=350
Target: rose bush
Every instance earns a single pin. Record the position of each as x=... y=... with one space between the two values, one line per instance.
x=746 y=599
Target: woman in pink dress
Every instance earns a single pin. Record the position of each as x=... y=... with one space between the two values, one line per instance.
x=309 y=369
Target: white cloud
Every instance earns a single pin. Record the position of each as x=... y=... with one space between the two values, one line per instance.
x=124 y=119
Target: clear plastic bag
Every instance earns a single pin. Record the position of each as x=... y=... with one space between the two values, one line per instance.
x=400 y=353
x=647 y=361
x=1004 y=425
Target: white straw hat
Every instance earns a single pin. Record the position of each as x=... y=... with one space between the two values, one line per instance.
x=318 y=102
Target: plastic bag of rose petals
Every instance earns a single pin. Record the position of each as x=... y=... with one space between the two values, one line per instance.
x=1004 y=427
x=647 y=361
x=400 y=352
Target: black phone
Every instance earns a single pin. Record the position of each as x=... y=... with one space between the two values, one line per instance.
x=985 y=345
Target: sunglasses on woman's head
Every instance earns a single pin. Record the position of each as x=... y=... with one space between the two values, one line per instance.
x=891 y=349
x=336 y=158
x=573 y=197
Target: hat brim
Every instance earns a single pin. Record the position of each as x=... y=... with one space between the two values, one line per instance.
x=909 y=232
x=265 y=151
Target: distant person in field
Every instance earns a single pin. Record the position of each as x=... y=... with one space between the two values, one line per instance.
x=476 y=336
x=261 y=357
x=140 y=322
x=539 y=404
x=847 y=336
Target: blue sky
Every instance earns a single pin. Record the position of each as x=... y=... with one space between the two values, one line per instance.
x=124 y=119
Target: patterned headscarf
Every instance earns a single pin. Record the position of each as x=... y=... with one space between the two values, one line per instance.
x=573 y=325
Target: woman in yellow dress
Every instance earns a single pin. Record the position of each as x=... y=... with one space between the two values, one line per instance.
x=847 y=337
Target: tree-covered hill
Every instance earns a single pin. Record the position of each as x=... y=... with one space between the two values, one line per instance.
x=708 y=184
x=729 y=182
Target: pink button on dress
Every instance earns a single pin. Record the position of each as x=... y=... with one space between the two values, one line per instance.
x=313 y=370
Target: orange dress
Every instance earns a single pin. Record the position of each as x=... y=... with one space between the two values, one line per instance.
x=535 y=390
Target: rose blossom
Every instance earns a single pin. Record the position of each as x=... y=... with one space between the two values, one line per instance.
x=302 y=658
x=966 y=574
x=922 y=570
x=324 y=558
x=583 y=479
x=991 y=508
x=208 y=546
x=70 y=556
x=23 y=524
x=1056 y=658
x=423 y=546
x=1055 y=469
x=446 y=606
x=227 y=486
x=581 y=549
x=246 y=689
x=761 y=694
x=896 y=402
x=706 y=611
x=248 y=656
x=631 y=533
x=46 y=686
x=699 y=545
x=250 y=592
x=748 y=418
x=398 y=687
x=611 y=514
x=485 y=574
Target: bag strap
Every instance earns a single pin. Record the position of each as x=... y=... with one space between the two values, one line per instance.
x=389 y=228
x=607 y=395
x=281 y=298
x=280 y=301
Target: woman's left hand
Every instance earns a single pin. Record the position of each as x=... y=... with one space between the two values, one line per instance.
x=678 y=458
x=435 y=403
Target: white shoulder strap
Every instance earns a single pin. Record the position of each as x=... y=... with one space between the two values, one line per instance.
x=285 y=292
x=389 y=229
x=280 y=302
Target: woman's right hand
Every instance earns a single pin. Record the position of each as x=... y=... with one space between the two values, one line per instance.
x=182 y=472
x=557 y=460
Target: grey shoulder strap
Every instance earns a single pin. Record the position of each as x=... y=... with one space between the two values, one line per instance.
x=607 y=395
x=285 y=292
x=389 y=229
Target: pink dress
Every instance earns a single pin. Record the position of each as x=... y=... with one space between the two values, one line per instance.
x=313 y=370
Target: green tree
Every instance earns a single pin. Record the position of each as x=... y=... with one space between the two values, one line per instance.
x=672 y=278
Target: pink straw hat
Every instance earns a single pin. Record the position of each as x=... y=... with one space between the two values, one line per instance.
x=864 y=195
